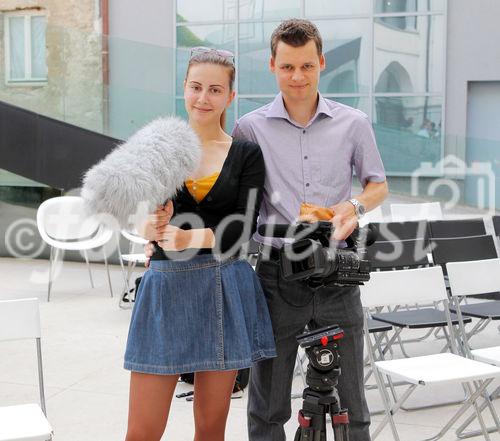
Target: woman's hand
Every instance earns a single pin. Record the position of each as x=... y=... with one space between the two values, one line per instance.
x=174 y=238
x=154 y=226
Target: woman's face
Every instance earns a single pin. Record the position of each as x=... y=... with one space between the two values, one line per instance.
x=207 y=93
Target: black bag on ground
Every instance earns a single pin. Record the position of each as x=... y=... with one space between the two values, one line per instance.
x=241 y=382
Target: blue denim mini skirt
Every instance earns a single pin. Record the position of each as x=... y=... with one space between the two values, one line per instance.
x=201 y=314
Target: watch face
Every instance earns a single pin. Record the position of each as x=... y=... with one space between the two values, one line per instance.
x=361 y=210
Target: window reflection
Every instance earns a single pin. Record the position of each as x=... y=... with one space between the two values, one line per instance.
x=218 y=36
x=254 y=74
x=409 y=61
x=269 y=9
x=392 y=6
x=213 y=10
x=408 y=131
x=318 y=8
x=346 y=45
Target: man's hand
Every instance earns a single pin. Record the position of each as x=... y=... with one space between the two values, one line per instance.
x=156 y=223
x=344 y=221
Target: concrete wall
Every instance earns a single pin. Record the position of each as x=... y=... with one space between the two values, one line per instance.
x=73 y=91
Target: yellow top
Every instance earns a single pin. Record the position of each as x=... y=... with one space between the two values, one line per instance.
x=199 y=188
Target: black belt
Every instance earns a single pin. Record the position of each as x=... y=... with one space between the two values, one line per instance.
x=272 y=252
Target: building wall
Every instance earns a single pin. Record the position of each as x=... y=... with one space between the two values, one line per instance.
x=74 y=87
x=472 y=55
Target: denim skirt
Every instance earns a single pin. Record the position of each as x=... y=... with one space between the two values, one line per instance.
x=201 y=314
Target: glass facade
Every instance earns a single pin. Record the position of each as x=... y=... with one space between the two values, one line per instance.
x=383 y=57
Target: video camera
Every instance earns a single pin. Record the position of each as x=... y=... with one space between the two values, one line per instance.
x=311 y=258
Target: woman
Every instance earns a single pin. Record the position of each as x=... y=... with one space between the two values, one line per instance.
x=205 y=314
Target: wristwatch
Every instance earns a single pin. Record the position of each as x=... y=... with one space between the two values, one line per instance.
x=358 y=207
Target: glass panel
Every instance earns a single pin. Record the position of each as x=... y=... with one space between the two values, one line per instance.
x=391 y=6
x=269 y=9
x=409 y=60
x=218 y=36
x=361 y=103
x=346 y=45
x=336 y=7
x=38 y=63
x=253 y=66
x=16 y=47
x=246 y=105
x=180 y=110
x=408 y=131
x=194 y=10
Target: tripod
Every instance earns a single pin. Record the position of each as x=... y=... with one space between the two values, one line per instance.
x=321 y=398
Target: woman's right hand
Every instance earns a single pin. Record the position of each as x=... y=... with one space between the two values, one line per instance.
x=155 y=224
x=149 y=250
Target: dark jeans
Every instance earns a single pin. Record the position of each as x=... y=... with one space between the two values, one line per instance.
x=292 y=306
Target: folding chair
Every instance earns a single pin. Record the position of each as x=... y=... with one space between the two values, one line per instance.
x=442 y=229
x=474 y=278
x=20 y=319
x=469 y=249
x=422 y=285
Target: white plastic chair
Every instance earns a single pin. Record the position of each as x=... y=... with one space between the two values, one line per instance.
x=20 y=320
x=64 y=225
x=416 y=212
x=422 y=285
x=132 y=258
x=475 y=278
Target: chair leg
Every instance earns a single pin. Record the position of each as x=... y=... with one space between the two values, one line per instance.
x=50 y=273
x=88 y=266
x=107 y=270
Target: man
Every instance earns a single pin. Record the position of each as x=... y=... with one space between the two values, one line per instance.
x=310 y=146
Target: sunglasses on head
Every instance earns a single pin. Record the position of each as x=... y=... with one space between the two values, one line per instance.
x=220 y=52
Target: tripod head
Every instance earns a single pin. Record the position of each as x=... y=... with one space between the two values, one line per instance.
x=321 y=346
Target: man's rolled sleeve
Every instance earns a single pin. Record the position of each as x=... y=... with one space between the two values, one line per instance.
x=367 y=161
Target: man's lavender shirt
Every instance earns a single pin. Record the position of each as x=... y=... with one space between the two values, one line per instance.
x=311 y=164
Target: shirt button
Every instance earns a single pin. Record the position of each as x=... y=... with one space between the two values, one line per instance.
x=305 y=157
x=303 y=131
x=307 y=185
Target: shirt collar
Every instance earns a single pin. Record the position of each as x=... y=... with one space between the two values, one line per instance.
x=278 y=110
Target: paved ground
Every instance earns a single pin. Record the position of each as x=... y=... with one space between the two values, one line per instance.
x=84 y=334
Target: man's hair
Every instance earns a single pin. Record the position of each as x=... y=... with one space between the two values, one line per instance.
x=296 y=32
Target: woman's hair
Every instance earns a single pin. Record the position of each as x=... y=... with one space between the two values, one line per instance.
x=213 y=57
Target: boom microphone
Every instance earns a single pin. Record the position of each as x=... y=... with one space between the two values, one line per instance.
x=147 y=169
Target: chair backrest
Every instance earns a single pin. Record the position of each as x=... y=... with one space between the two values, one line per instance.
x=64 y=218
x=404 y=287
x=133 y=237
x=398 y=254
x=496 y=224
x=474 y=277
x=394 y=231
x=413 y=212
x=462 y=249
x=372 y=216
x=457 y=228
x=19 y=319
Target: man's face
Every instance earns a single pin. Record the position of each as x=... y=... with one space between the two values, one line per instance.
x=297 y=70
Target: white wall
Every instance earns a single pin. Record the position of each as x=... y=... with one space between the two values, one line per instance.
x=473 y=54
